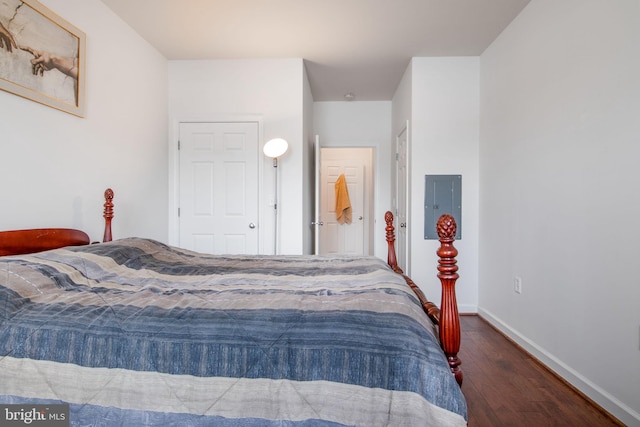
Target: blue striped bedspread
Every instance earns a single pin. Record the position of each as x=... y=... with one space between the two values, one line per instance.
x=135 y=332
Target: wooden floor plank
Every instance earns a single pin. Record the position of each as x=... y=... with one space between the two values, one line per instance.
x=505 y=386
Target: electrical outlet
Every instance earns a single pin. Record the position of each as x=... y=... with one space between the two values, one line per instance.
x=517 y=285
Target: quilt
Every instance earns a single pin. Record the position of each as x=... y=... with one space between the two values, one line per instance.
x=136 y=332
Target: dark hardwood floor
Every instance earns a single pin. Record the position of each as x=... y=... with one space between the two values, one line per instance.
x=505 y=386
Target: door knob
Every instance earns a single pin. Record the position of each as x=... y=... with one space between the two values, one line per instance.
x=252 y=225
x=360 y=217
x=403 y=225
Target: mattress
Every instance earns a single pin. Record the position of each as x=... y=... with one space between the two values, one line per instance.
x=135 y=332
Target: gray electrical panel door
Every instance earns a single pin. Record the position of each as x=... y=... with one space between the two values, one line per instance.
x=442 y=195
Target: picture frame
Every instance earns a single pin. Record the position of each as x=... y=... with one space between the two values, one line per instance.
x=42 y=56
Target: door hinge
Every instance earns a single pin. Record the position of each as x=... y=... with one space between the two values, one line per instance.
x=178 y=144
x=397 y=156
x=178 y=212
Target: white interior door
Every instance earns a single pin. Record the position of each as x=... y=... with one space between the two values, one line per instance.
x=316 y=215
x=218 y=190
x=402 y=200
x=356 y=165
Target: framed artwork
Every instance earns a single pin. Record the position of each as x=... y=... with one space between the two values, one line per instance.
x=42 y=56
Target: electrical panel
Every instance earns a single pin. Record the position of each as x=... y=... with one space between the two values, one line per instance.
x=442 y=195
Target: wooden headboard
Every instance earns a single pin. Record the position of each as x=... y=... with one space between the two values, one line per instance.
x=18 y=242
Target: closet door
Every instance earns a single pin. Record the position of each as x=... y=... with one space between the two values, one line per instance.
x=218 y=200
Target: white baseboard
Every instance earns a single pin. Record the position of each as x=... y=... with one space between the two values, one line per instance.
x=608 y=402
x=467 y=309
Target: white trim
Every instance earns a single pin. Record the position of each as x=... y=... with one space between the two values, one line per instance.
x=467 y=309
x=608 y=402
x=173 y=172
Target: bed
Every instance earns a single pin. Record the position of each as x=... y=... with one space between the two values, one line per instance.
x=136 y=332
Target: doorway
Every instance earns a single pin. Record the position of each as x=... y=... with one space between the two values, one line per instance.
x=357 y=166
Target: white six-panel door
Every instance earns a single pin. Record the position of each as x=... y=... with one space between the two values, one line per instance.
x=356 y=165
x=218 y=190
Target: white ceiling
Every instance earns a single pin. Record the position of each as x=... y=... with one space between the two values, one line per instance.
x=359 y=46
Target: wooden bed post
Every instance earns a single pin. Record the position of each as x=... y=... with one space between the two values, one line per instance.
x=391 y=239
x=447 y=273
x=108 y=214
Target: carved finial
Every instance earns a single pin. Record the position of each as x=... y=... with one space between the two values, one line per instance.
x=108 y=203
x=108 y=194
x=388 y=218
x=446 y=227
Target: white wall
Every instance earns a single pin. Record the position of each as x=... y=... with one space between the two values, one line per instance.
x=271 y=90
x=54 y=167
x=559 y=176
x=362 y=124
x=444 y=139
